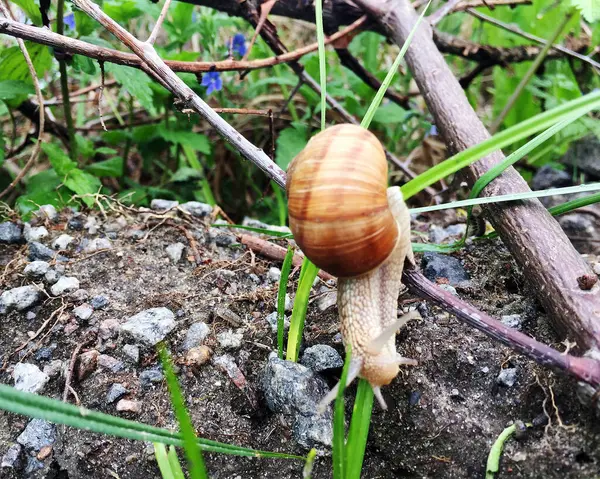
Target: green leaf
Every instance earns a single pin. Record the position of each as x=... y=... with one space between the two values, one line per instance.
x=30 y=202
x=104 y=150
x=83 y=183
x=59 y=160
x=112 y=167
x=135 y=82
x=282 y=290
x=290 y=142
x=122 y=11
x=84 y=23
x=13 y=66
x=359 y=430
x=185 y=174
x=193 y=140
x=590 y=9
x=10 y=89
x=390 y=113
x=31 y=10
x=46 y=180
x=83 y=64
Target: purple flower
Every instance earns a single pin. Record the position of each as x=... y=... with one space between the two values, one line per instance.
x=212 y=81
x=239 y=44
x=70 y=21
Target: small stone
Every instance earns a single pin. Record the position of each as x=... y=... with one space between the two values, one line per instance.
x=272 y=320
x=321 y=357
x=597 y=269
x=12 y=459
x=92 y=225
x=150 y=326
x=512 y=321
x=327 y=300
x=45 y=353
x=79 y=295
x=116 y=225
x=99 y=302
x=454 y=392
x=254 y=278
x=584 y=154
x=10 y=233
x=46 y=212
x=439 y=235
x=76 y=223
x=53 y=368
x=195 y=208
x=162 y=205
x=115 y=392
x=175 y=251
x=29 y=378
x=66 y=284
x=52 y=276
x=437 y=265
x=127 y=405
x=38 y=251
x=197 y=356
x=83 y=312
x=44 y=453
x=36 y=269
x=485 y=370
x=151 y=376
x=108 y=362
x=97 y=244
x=447 y=287
x=109 y=328
x=21 y=298
x=87 y=364
x=230 y=340
x=34 y=234
x=30 y=315
x=507 y=377
x=224 y=240
x=548 y=177
x=62 y=242
x=195 y=335
x=37 y=434
x=32 y=465
x=132 y=352
x=274 y=274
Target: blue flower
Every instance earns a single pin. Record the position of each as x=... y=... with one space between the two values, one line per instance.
x=212 y=81
x=70 y=21
x=432 y=131
x=239 y=44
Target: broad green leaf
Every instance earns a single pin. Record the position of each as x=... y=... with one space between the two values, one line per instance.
x=46 y=180
x=390 y=113
x=83 y=183
x=112 y=167
x=122 y=11
x=185 y=174
x=135 y=82
x=85 y=146
x=31 y=10
x=30 y=202
x=104 y=150
x=10 y=89
x=13 y=66
x=590 y=9
x=59 y=160
x=84 y=23
x=195 y=141
x=83 y=64
x=289 y=143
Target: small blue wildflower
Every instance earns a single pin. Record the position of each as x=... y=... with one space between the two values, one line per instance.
x=212 y=81
x=432 y=131
x=239 y=44
x=194 y=16
x=70 y=21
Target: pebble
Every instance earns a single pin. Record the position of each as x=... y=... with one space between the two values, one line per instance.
x=321 y=357
x=259 y=224
x=597 y=269
x=87 y=364
x=447 y=287
x=230 y=340
x=53 y=368
x=151 y=376
x=99 y=302
x=584 y=154
x=12 y=459
x=195 y=335
x=108 y=362
x=109 y=328
x=254 y=278
x=161 y=205
x=36 y=269
x=66 y=284
x=46 y=212
x=327 y=300
x=435 y=265
x=150 y=326
x=439 y=235
x=116 y=225
x=30 y=315
x=38 y=251
x=274 y=274
x=91 y=225
x=293 y=389
x=29 y=378
x=175 y=251
x=97 y=244
x=548 y=177
x=195 y=208
x=224 y=240
x=62 y=242
x=198 y=356
x=52 y=276
x=132 y=352
x=512 y=320
x=38 y=434
x=507 y=377
x=10 y=233
x=79 y=295
x=34 y=233
x=127 y=405
x=45 y=353
x=21 y=298
x=76 y=223
x=272 y=320
x=115 y=392
x=83 y=311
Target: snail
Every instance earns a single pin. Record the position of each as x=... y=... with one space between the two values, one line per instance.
x=349 y=223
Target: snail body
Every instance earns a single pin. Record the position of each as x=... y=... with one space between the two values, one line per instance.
x=349 y=223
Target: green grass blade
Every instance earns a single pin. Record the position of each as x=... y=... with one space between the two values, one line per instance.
x=277 y=234
x=574 y=204
x=308 y=273
x=359 y=430
x=192 y=451
x=309 y=464
x=281 y=206
x=339 y=417
x=162 y=459
x=366 y=121
x=493 y=462
x=322 y=60
x=283 y=281
x=175 y=464
x=500 y=140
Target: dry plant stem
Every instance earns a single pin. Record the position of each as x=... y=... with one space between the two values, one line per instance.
x=441 y=12
x=189 y=98
x=159 y=22
x=549 y=261
x=4 y=9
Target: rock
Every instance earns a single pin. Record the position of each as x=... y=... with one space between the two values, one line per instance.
x=197 y=356
x=34 y=234
x=109 y=328
x=254 y=278
x=97 y=244
x=66 y=284
x=230 y=340
x=150 y=326
x=327 y=300
x=38 y=251
x=21 y=298
x=597 y=269
x=38 y=434
x=507 y=377
x=115 y=392
x=36 y=269
x=132 y=352
x=584 y=154
x=79 y=295
x=439 y=235
x=195 y=335
x=195 y=208
x=436 y=266
x=116 y=225
x=53 y=368
x=45 y=353
x=32 y=465
x=321 y=357
x=451 y=289
x=512 y=320
x=52 y=276
x=99 y=302
x=224 y=240
x=274 y=274
x=295 y=390
x=62 y=242
x=113 y=364
x=547 y=177
x=272 y=320
x=163 y=204
x=83 y=311
x=127 y=405
x=10 y=233
x=12 y=459
x=46 y=212
x=175 y=251
x=583 y=229
x=259 y=224
x=76 y=223
x=92 y=225
x=87 y=364
x=151 y=376
x=30 y=316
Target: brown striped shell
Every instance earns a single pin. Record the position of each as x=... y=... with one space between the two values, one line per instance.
x=337 y=201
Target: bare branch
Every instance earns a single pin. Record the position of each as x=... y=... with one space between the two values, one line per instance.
x=159 y=22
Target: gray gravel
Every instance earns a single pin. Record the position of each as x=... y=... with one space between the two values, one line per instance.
x=150 y=326
x=115 y=392
x=21 y=298
x=436 y=266
x=34 y=233
x=65 y=285
x=36 y=269
x=39 y=251
x=195 y=335
x=195 y=208
x=10 y=233
x=175 y=251
x=321 y=357
x=38 y=433
x=29 y=378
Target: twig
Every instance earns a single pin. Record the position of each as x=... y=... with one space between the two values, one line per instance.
x=72 y=367
x=161 y=18
x=441 y=12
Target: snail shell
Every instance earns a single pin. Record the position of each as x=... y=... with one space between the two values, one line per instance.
x=338 y=204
